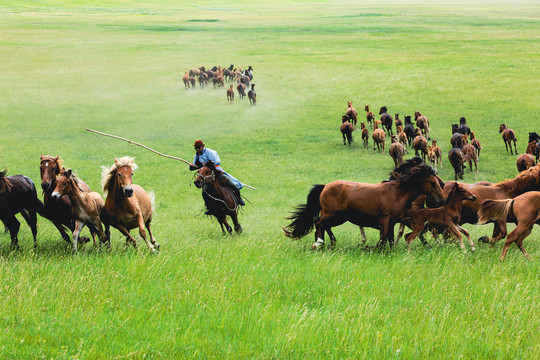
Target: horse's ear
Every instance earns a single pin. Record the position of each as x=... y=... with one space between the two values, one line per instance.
x=41 y=157
x=57 y=157
x=68 y=172
x=116 y=162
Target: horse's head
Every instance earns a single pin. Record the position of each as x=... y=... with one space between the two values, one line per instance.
x=433 y=143
x=408 y=120
x=362 y=126
x=394 y=139
x=462 y=121
x=417 y=114
x=455 y=128
x=415 y=175
x=49 y=168
x=344 y=118
x=64 y=184
x=502 y=127
x=366 y=108
x=124 y=177
x=383 y=110
x=533 y=136
x=206 y=174
x=463 y=193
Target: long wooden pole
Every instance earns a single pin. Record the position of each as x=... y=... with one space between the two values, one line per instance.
x=147 y=148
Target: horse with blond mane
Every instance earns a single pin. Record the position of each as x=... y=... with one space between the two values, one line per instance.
x=127 y=205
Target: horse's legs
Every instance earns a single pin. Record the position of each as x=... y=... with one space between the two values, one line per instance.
x=500 y=229
x=332 y=238
x=517 y=235
x=142 y=232
x=237 y=226
x=125 y=232
x=31 y=220
x=13 y=225
x=223 y=220
x=455 y=232
x=466 y=233
x=400 y=232
x=412 y=236
x=514 y=146
x=152 y=238
x=78 y=227
x=343 y=134
x=422 y=239
x=362 y=232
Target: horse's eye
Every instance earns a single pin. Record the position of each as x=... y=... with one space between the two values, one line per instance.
x=119 y=175
x=131 y=174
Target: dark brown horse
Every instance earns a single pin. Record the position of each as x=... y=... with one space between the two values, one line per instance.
x=524 y=162
x=369 y=116
x=378 y=136
x=508 y=136
x=523 y=209
x=378 y=206
x=422 y=123
x=219 y=199
x=386 y=120
x=57 y=210
x=447 y=216
x=365 y=135
x=241 y=88
x=396 y=151
x=528 y=180
x=252 y=95
x=18 y=195
x=346 y=130
x=420 y=146
x=409 y=130
x=456 y=160
x=352 y=113
x=127 y=205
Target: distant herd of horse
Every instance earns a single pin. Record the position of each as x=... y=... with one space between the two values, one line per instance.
x=218 y=76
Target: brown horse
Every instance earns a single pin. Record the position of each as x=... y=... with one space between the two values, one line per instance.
x=58 y=210
x=525 y=181
x=456 y=160
x=219 y=199
x=476 y=143
x=230 y=94
x=402 y=138
x=438 y=152
x=252 y=95
x=185 y=79
x=470 y=156
x=378 y=136
x=127 y=205
x=523 y=209
x=369 y=116
x=86 y=207
x=346 y=129
x=396 y=151
x=419 y=145
x=18 y=195
x=398 y=121
x=378 y=206
x=447 y=216
x=422 y=123
x=241 y=88
x=352 y=113
x=524 y=162
x=508 y=136
x=365 y=135
x=386 y=120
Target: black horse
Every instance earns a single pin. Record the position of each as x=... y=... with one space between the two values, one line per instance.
x=18 y=195
x=534 y=136
x=463 y=128
x=252 y=95
x=409 y=130
x=386 y=119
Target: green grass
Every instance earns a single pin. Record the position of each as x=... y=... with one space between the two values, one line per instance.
x=117 y=67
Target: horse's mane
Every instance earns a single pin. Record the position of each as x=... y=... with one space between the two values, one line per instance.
x=4 y=183
x=408 y=173
x=108 y=174
x=525 y=181
x=59 y=162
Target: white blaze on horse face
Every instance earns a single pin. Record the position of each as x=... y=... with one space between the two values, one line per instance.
x=46 y=164
x=56 y=194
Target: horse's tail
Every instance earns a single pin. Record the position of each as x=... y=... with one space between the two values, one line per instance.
x=494 y=210
x=512 y=136
x=455 y=161
x=349 y=137
x=305 y=216
x=152 y=197
x=38 y=204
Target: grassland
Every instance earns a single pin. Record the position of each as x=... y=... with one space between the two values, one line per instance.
x=116 y=67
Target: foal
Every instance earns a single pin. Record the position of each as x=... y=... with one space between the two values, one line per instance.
x=508 y=136
x=365 y=135
x=379 y=136
x=252 y=95
x=352 y=113
x=86 y=207
x=396 y=151
x=447 y=216
x=402 y=138
x=230 y=94
x=476 y=143
x=369 y=116
x=346 y=129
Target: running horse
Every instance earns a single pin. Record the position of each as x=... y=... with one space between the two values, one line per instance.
x=219 y=199
x=379 y=206
x=127 y=205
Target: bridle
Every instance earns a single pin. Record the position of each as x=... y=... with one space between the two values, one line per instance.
x=207 y=179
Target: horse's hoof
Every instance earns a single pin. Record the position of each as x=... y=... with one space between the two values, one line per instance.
x=84 y=240
x=473 y=249
x=483 y=239
x=157 y=246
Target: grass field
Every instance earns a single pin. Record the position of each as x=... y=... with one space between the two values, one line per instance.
x=117 y=67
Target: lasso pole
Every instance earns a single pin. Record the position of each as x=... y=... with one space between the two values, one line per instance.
x=147 y=148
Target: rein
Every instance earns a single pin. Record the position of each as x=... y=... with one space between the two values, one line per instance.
x=212 y=178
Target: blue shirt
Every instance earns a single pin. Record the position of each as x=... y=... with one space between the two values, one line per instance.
x=208 y=155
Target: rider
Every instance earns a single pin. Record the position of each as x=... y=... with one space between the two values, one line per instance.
x=203 y=155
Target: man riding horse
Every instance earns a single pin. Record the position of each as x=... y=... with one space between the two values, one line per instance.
x=202 y=156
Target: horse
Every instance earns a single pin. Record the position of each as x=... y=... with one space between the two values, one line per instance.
x=422 y=123
x=185 y=79
x=524 y=162
x=346 y=129
x=396 y=151
x=525 y=181
x=241 y=88
x=369 y=116
x=203 y=80
x=127 y=205
x=402 y=138
x=409 y=130
x=458 y=140
x=523 y=209
x=386 y=120
x=508 y=136
x=379 y=206
x=476 y=143
x=447 y=217
x=463 y=128
x=192 y=80
x=18 y=195
x=230 y=94
x=419 y=144
x=438 y=152
x=252 y=95
x=470 y=156
x=534 y=136
x=196 y=71
x=58 y=210
x=86 y=207
x=398 y=121
x=352 y=113
x=219 y=199
x=456 y=160
x=365 y=135
x=432 y=157
x=379 y=137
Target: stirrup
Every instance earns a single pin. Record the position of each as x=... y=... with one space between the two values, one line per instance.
x=241 y=201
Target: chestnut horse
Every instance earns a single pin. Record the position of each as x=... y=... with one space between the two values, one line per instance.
x=524 y=162
x=219 y=199
x=369 y=116
x=58 y=210
x=470 y=156
x=18 y=195
x=352 y=113
x=127 y=205
x=230 y=94
x=523 y=209
x=525 y=181
x=396 y=151
x=86 y=207
x=420 y=145
x=346 y=129
x=365 y=135
x=508 y=136
x=379 y=137
x=378 y=206
x=476 y=143
x=447 y=216
x=422 y=123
